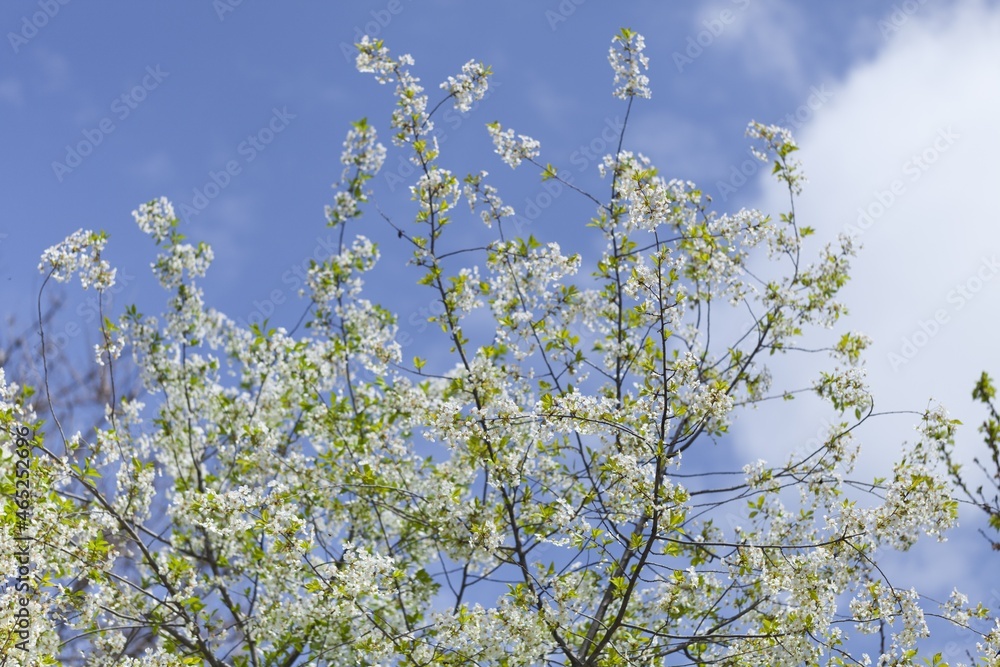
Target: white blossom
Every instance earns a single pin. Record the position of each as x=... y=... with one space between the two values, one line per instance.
x=845 y=389
x=81 y=251
x=512 y=151
x=627 y=60
x=156 y=218
x=362 y=150
x=373 y=57
x=468 y=87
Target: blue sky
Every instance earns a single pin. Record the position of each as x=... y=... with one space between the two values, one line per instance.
x=894 y=102
x=82 y=82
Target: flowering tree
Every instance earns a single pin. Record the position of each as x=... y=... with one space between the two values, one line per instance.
x=518 y=499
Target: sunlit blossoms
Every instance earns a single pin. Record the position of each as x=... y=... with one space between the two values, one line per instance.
x=362 y=150
x=80 y=252
x=362 y=158
x=410 y=116
x=530 y=464
x=436 y=191
x=156 y=218
x=512 y=150
x=469 y=86
x=373 y=57
x=628 y=61
x=845 y=389
x=651 y=201
x=779 y=142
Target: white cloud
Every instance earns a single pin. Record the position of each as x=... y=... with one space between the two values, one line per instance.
x=910 y=138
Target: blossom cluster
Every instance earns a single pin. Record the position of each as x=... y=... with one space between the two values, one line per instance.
x=373 y=57
x=410 y=116
x=512 y=151
x=778 y=141
x=363 y=155
x=156 y=218
x=845 y=389
x=362 y=150
x=627 y=60
x=470 y=86
x=80 y=252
